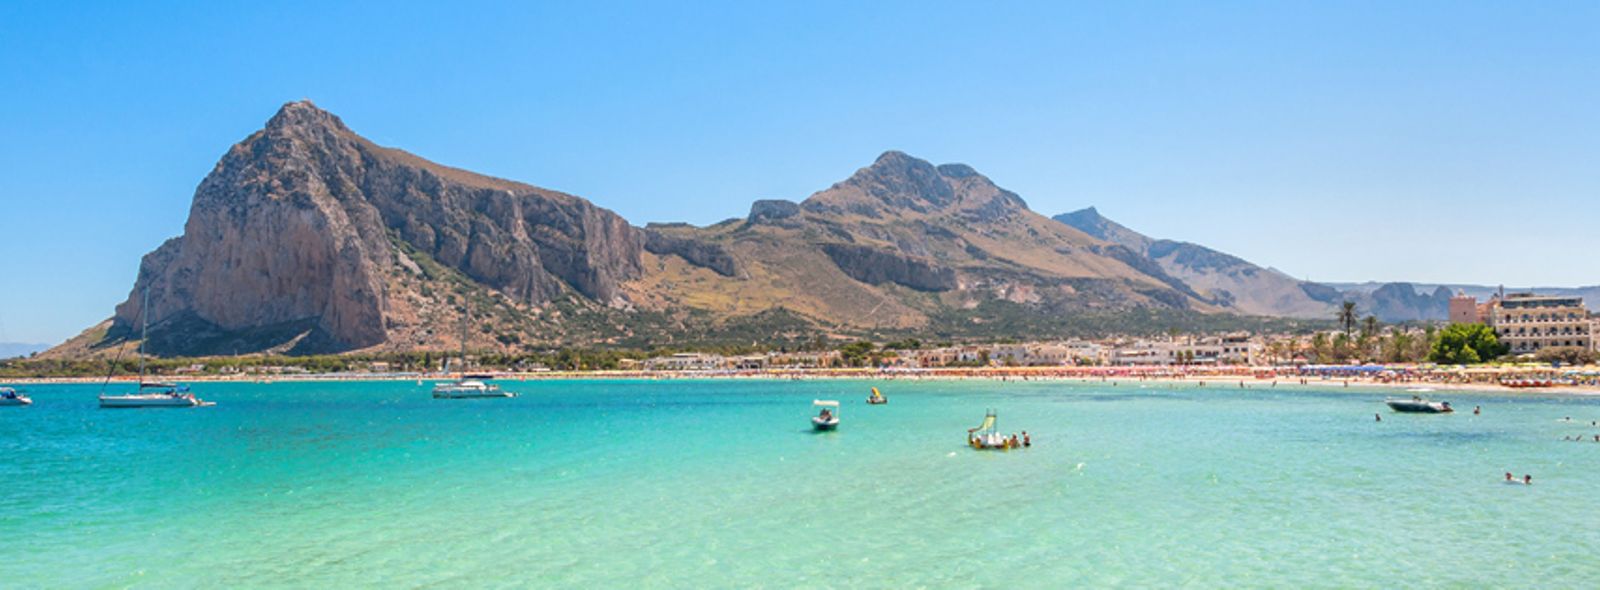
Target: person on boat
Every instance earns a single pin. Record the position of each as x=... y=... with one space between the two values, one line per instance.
x=825 y=414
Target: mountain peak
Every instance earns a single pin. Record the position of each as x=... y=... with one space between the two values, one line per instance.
x=1089 y=220
x=302 y=114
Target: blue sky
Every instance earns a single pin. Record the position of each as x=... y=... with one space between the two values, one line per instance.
x=1433 y=141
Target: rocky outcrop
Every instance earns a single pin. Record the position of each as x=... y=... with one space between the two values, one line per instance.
x=876 y=267
x=699 y=253
x=772 y=211
x=296 y=226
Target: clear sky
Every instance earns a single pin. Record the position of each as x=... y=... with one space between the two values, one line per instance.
x=1431 y=142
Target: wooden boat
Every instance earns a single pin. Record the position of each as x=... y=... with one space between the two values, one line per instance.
x=1417 y=405
x=828 y=419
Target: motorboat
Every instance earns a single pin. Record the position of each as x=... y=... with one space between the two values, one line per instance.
x=468 y=387
x=828 y=419
x=155 y=395
x=1417 y=405
x=876 y=398
x=10 y=397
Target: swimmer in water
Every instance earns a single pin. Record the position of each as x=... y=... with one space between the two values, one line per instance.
x=1377 y=417
x=1477 y=410
x=1527 y=480
x=1509 y=477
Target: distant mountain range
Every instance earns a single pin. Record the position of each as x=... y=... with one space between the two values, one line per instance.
x=1590 y=294
x=308 y=238
x=16 y=349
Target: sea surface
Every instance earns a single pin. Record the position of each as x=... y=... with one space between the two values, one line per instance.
x=721 y=483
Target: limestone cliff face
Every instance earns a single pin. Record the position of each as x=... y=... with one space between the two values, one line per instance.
x=301 y=223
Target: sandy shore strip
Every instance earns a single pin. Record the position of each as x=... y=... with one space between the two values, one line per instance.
x=1236 y=377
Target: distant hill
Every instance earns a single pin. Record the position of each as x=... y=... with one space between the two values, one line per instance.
x=1590 y=294
x=1225 y=280
x=16 y=349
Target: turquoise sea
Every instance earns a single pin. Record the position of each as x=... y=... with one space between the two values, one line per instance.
x=581 y=484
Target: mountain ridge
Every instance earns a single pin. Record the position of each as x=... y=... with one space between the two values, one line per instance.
x=306 y=237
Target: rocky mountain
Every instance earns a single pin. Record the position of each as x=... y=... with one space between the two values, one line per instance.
x=308 y=238
x=1225 y=280
x=899 y=244
x=1399 y=302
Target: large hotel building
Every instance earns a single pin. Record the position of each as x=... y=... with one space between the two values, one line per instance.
x=1528 y=323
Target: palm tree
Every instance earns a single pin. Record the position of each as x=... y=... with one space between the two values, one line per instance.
x=1348 y=316
x=1369 y=326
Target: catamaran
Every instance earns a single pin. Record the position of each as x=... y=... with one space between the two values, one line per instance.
x=10 y=397
x=468 y=386
x=151 y=394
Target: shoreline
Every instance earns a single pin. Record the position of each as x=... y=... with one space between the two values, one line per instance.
x=1247 y=378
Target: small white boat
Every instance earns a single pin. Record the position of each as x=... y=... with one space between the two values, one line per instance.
x=828 y=419
x=10 y=397
x=876 y=398
x=1417 y=405
x=468 y=387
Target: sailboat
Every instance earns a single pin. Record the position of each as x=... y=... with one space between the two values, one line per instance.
x=468 y=386
x=151 y=394
x=876 y=398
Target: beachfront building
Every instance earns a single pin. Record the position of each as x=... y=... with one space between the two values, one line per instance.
x=804 y=360
x=1087 y=353
x=1527 y=323
x=1034 y=354
x=1464 y=309
x=687 y=361
x=1233 y=349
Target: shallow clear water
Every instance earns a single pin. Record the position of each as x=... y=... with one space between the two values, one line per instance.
x=722 y=484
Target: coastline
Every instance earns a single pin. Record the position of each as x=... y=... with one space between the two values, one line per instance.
x=1246 y=377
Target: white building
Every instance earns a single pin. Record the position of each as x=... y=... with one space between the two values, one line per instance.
x=687 y=361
